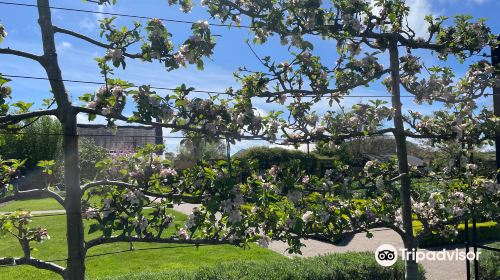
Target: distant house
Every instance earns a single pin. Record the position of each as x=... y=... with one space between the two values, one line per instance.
x=122 y=139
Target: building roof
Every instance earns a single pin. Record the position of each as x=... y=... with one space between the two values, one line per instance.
x=412 y=160
x=123 y=138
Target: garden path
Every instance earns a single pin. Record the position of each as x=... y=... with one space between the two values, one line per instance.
x=435 y=270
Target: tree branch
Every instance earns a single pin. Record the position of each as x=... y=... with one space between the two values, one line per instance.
x=184 y=198
x=23 y=116
x=33 y=194
x=122 y=238
x=92 y=41
x=34 y=262
x=306 y=93
x=34 y=57
x=155 y=124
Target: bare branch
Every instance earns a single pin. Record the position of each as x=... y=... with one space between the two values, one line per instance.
x=19 y=117
x=303 y=92
x=10 y=51
x=33 y=194
x=123 y=238
x=184 y=198
x=34 y=262
x=92 y=41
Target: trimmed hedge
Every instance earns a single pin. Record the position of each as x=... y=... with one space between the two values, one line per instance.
x=489 y=263
x=488 y=231
x=346 y=266
x=267 y=157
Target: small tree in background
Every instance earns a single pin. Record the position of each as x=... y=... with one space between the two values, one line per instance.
x=38 y=139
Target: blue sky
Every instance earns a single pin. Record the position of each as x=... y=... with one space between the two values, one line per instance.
x=76 y=57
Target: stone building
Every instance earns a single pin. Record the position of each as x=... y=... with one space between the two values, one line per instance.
x=125 y=138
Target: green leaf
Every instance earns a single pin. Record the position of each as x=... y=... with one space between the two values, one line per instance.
x=94 y=228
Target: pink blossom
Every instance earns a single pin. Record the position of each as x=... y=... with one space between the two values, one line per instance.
x=305 y=179
x=166 y=172
x=183 y=234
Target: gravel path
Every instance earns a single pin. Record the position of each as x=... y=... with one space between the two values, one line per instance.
x=435 y=270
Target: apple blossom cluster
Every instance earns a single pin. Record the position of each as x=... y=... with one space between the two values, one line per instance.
x=361 y=118
x=185 y=5
x=109 y=99
x=10 y=170
x=5 y=93
x=440 y=85
x=3 y=33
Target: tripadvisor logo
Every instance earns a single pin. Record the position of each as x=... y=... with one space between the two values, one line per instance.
x=387 y=255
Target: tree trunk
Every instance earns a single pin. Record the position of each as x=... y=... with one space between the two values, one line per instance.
x=74 y=228
x=74 y=231
x=400 y=137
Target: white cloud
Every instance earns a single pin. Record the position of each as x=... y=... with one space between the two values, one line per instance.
x=259 y=112
x=479 y=2
x=418 y=10
x=90 y=24
x=65 y=44
x=87 y=24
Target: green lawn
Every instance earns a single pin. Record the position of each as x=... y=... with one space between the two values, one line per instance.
x=166 y=257
x=31 y=204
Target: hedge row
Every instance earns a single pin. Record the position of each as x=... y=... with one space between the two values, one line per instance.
x=355 y=266
x=267 y=157
x=489 y=263
x=488 y=231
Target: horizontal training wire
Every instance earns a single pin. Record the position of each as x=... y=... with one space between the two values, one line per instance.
x=244 y=138
x=174 y=89
x=116 y=14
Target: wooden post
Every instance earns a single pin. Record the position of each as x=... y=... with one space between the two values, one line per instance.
x=495 y=61
x=466 y=236
x=474 y=243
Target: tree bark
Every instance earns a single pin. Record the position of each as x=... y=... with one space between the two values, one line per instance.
x=402 y=155
x=495 y=61
x=67 y=116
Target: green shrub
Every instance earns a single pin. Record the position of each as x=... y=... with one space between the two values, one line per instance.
x=40 y=140
x=489 y=264
x=267 y=157
x=488 y=231
x=356 y=266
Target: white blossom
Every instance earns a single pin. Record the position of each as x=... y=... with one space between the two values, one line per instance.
x=115 y=54
x=308 y=216
x=183 y=234
x=264 y=241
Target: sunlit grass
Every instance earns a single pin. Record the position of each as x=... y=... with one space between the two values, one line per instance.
x=163 y=258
